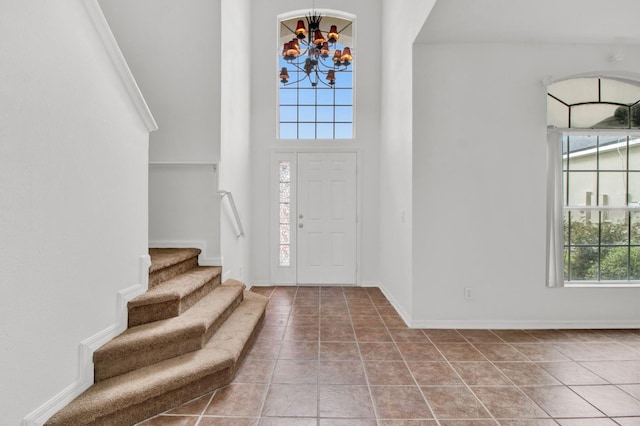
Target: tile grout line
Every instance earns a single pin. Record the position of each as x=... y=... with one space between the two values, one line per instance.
x=364 y=370
x=395 y=344
x=269 y=382
x=204 y=410
x=517 y=386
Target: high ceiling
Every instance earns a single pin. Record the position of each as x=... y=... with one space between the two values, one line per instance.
x=533 y=21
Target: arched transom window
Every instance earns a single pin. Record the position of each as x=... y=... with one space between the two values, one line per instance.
x=316 y=55
x=598 y=174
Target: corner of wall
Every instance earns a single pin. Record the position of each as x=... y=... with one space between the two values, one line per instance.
x=406 y=317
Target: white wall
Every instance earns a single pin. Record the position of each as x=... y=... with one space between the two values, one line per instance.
x=173 y=49
x=401 y=22
x=479 y=164
x=264 y=87
x=73 y=197
x=235 y=155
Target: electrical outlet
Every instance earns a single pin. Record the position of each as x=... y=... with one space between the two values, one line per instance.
x=468 y=293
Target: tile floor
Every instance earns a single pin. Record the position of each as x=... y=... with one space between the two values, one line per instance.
x=338 y=356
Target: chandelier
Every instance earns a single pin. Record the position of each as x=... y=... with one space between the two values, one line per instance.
x=314 y=54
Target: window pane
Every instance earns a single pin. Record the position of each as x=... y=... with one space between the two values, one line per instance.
x=582 y=188
x=285 y=213
x=344 y=80
x=288 y=113
x=307 y=113
x=325 y=96
x=613 y=153
x=583 y=263
x=614 y=263
x=343 y=97
x=599 y=116
x=344 y=130
x=575 y=90
x=285 y=189
x=306 y=131
x=557 y=113
x=565 y=179
x=325 y=131
x=613 y=189
x=635 y=263
x=285 y=233
x=583 y=228
x=344 y=114
x=566 y=264
x=285 y=258
x=288 y=131
x=288 y=97
x=582 y=151
x=634 y=188
x=618 y=91
x=634 y=154
x=285 y=171
x=614 y=228
x=635 y=227
x=307 y=96
x=325 y=113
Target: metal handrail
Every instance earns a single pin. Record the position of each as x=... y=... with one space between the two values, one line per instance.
x=229 y=195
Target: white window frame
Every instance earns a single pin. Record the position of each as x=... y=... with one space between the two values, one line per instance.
x=556 y=208
x=325 y=12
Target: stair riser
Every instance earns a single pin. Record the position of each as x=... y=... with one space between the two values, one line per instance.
x=164 y=402
x=158 y=311
x=175 y=398
x=172 y=271
x=247 y=347
x=120 y=363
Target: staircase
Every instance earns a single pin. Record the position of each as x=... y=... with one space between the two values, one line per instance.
x=186 y=336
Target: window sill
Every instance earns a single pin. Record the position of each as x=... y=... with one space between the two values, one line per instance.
x=603 y=284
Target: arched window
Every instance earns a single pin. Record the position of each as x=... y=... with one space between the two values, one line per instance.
x=597 y=179
x=316 y=57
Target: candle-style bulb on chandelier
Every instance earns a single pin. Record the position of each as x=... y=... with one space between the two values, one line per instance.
x=314 y=53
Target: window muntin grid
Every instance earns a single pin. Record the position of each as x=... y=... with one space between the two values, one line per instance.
x=601 y=195
x=593 y=103
x=284 y=239
x=320 y=112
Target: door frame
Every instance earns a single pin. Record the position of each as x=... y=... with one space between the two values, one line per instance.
x=288 y=275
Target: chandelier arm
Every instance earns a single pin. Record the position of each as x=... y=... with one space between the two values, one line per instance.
x=294 y=82
x=330 y=65
x=298 y=67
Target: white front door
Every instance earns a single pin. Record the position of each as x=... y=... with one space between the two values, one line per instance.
x=325 y=221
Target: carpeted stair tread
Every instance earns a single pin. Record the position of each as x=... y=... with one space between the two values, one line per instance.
x=236 y=331
x=177 y=287
x=224 y=350
x=139 y=385
x=165 y=257
x=153 y=342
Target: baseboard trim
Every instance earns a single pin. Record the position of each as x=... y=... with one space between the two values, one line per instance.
x=377 y=284
x=204 y=259
x=406 y=317
x=520 y=325
x=88 y=346
x=261 y=283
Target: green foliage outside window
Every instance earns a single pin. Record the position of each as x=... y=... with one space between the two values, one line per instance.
x=601 y=252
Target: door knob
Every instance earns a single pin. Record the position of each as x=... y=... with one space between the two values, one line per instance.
x=300 y=225
x=300 y=215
